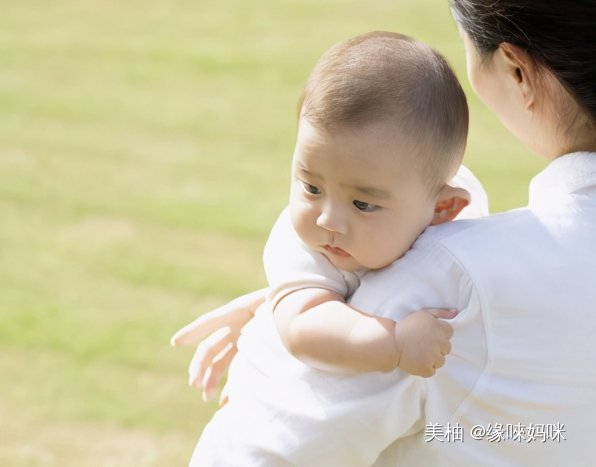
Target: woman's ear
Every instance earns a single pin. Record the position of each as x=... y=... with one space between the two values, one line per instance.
x=522 y=70
x=449 y=203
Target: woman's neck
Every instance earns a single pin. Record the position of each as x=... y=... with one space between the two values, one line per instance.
x=580 y=140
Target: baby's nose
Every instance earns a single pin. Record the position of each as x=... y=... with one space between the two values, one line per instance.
x=332 y=219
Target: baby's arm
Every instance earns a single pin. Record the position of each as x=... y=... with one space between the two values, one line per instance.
x=319 y=328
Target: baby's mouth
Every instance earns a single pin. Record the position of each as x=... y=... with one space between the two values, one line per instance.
x=334 y=250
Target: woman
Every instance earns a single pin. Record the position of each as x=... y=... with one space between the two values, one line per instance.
x=520 y=385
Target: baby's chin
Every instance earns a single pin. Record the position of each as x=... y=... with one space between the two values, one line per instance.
x=352 y=264
x=372 y=266
x=345 y=264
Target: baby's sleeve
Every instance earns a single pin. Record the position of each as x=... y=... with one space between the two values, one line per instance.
x=290 y=265
x=478 y=207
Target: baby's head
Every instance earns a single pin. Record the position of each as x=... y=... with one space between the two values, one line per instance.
x=382 y=129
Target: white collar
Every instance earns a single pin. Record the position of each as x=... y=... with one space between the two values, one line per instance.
x=567 y=174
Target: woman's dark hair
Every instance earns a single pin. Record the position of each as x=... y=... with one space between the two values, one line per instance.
x=560 y=35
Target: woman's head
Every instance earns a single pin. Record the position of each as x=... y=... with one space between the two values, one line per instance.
x=549 y=44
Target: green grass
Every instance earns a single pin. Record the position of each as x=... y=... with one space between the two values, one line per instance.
x=144 y=154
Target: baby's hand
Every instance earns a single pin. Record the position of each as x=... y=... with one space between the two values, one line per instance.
x=423 y=341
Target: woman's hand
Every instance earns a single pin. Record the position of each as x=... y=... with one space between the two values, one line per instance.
x=217 y=332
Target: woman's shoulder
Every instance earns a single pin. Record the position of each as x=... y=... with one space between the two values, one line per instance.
x=458 y=251
x=467 y=230
x=440 y=268
x=451 y=251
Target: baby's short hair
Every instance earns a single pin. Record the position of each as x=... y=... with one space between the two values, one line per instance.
x=388 y=77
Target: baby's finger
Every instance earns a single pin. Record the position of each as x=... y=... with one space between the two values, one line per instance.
x=447 y=329
x=428 y=372
x=439 y=361
x=446 y=348
x=443 y=328
x=205 y=354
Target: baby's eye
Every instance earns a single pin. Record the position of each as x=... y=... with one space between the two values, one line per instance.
x=313 y=190
x=366 y=207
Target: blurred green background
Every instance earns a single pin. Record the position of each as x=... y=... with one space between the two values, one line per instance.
x=144 y=154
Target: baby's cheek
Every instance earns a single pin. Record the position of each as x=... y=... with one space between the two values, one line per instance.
x=302 y=221
x=389 y=247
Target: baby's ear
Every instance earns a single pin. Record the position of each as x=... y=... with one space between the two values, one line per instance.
x=450 y=202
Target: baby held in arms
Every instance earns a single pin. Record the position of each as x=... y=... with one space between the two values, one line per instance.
x=382 y=128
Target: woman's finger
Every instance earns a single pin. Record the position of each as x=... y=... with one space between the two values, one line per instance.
x=223 y=397
x=200 y=328
x=206 y=352
x=234 y=314
x=216 y=371
x=443 y=313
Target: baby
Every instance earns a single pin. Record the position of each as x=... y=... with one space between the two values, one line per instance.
x=382 y=129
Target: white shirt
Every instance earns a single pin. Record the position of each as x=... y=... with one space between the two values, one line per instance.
x=524 y=344
x=282 y=412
